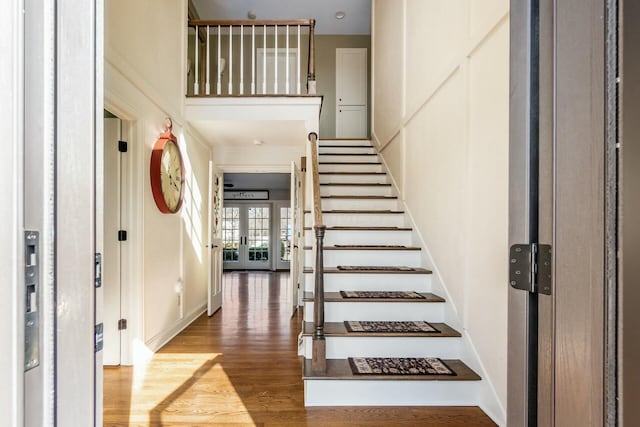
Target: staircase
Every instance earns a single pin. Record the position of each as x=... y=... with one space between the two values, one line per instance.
x=367 y=240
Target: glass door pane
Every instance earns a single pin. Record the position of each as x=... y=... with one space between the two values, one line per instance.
x=285 y=234
x=231 y=234
x=258 y=235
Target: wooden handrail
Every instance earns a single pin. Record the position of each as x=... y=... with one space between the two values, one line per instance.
x=319 y=347
x=256 y=22
x=315 y=179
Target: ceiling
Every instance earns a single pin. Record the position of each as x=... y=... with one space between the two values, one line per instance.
x=244 y=133
x=258 y=181
x=357 y=18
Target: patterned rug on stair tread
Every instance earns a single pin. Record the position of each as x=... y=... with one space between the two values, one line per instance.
x=399 y=366
x=382 y=294
x=375 y=268
x=386 y=326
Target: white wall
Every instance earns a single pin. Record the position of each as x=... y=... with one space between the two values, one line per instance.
x=144 y=58
x=440 y=94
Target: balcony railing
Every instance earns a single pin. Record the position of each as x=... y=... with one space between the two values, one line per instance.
x=251 y=57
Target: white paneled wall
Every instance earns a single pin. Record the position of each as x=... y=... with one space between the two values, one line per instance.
x=440 y=120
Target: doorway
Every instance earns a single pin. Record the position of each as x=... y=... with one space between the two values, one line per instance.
x=247 y=236
x=113 y=236
x=351 y=93
x=283 y=81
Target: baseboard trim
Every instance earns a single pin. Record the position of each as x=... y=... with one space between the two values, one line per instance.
x=159 y=340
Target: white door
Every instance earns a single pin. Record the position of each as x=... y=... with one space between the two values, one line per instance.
x=111 y=257
x=215 y=278
x=296 y=237
x=247 y=236
x=267 y=81
x=351 y=93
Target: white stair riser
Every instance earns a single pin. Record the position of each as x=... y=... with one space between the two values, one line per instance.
x=334 y=258
x=390 y=393
x=362 y=142
x=347 y=158
x=343 y=347
x=359 y=219
x=335 y=282
x=377 y=178
x=350 y=168
x=364 y=237
x=341 y=311
x=356 y=190
x=346 y=150
x=360 y=204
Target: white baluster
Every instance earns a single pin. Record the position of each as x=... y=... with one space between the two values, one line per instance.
x=230 y=59
x=207 y=86
x=264 y=61
x=196 y=85
x=241 y=59
x=275 y=62
x=286 y=84
x=219 y=85
x=298 y=55
x=253 y=60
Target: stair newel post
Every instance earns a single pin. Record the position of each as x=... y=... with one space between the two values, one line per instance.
x=311 y=75
x=319 y=357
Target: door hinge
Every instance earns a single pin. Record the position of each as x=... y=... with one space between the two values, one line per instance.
x=530 y=268
x=98 y=337
x=122 y=235
x=98 y=270
x=122 y=324
x=123 y=146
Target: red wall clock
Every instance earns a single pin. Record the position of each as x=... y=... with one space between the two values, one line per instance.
x=167 y=173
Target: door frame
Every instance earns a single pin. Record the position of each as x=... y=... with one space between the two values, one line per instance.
x=132 y=290
x=573 y=58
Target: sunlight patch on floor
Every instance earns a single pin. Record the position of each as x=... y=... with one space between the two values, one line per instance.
x=181 y=373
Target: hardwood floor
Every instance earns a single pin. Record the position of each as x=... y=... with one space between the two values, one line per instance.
x=239 y=367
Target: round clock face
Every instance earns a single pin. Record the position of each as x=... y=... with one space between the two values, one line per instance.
x=167 y=175
x=171 y=176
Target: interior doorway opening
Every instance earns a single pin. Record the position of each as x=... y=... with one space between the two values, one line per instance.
x=257 y=221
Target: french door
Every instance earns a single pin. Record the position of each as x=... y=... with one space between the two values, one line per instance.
x=246 y=232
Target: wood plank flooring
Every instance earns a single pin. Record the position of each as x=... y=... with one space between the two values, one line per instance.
x=240 y=368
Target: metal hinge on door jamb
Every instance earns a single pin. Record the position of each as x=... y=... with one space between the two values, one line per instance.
x=123 y=146
x=530 y=268
x=122 y=324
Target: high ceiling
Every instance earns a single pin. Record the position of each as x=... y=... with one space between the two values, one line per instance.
x=357 y=18
x=243 y=133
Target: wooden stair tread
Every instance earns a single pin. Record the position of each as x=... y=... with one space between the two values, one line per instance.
x=367 y=248
x=337 y=329
x=352 y=173
x=356 y=184
x=337 y=297
x=333 y=270
x=344 y=146
x=346 y=196
x=343 y=154
x=349 y=163
x=339 y=369
x=353 y=211
x=363 y=228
